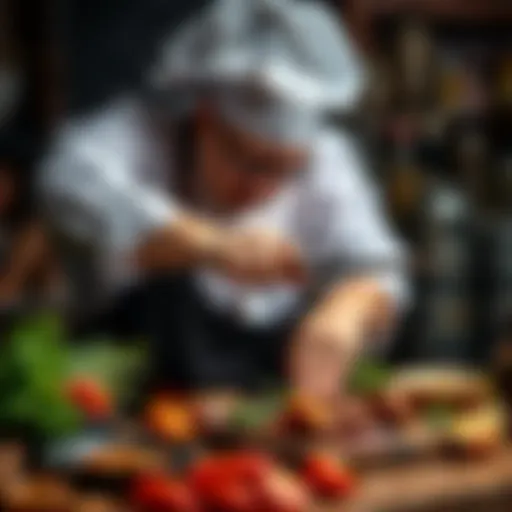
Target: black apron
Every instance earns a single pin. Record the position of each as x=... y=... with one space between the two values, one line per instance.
x=191 y=346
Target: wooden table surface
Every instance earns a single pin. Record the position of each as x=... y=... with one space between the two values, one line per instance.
x=484 y=486
x=438 y=487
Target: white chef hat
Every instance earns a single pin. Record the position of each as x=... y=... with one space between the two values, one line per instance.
x=275 y=66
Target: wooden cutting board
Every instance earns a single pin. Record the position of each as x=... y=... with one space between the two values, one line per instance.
x=438 y=487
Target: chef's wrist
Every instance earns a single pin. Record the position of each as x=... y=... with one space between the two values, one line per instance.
x=210 y=248
x=185 y=242
x=205 y=241
x=344 y=328
x=349 y=310
x=362 y=298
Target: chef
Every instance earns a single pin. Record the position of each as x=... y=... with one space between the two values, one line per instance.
x=221 y=214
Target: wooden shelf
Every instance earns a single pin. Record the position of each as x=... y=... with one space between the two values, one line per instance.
x=440 y=486
x=361 y=15
x=444 y=10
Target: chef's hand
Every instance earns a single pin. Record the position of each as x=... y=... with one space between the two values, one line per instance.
x=257 y=257
x=322 y=354
x=246 y=255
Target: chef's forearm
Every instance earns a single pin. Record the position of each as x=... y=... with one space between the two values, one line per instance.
x=361 y=306
x=184 y=242
x=335 y=334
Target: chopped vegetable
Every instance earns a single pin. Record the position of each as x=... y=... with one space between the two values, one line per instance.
x=369 y=377
x=257 y=413
x=34 y=363
x=439 y=416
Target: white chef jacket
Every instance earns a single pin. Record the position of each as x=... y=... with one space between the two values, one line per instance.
x=105 y=184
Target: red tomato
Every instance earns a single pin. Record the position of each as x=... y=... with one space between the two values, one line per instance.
x=162 y=494
x=232 y=496
x=229 y=482
x=203 y=476
x=327 y=477
x=282 y=492
x=250 y=466
x=91 y=398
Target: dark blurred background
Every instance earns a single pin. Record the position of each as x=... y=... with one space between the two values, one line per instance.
x=436 y=123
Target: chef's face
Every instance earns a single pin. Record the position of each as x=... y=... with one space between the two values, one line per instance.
x=239 y=170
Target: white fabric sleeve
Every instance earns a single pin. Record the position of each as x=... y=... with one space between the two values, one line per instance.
x=93 y=198
x=360 y=235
